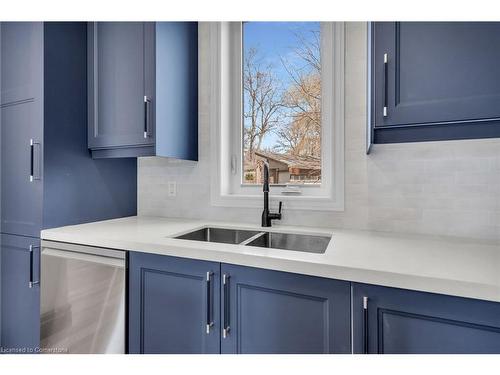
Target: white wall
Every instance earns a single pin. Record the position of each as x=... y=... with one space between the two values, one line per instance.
x=448 y=188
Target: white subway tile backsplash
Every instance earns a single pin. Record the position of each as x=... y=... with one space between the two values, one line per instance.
x=442 y=188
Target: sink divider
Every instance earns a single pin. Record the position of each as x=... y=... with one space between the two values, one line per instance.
x=254 y=237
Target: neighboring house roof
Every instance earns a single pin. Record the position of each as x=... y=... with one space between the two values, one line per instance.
x=292 y=161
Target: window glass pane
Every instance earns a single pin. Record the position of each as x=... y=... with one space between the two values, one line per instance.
x=282 y=102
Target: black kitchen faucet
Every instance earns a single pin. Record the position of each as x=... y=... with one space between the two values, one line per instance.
x=266 y=215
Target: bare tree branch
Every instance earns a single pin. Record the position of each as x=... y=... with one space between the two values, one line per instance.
x=262 y=108
x=302 y=134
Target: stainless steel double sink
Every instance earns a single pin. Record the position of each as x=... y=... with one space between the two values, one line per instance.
x=276 y=240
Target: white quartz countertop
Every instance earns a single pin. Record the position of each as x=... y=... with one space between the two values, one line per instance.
x=454 y=266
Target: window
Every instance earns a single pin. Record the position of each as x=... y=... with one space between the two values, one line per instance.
x=282 y=102
x=277 y=95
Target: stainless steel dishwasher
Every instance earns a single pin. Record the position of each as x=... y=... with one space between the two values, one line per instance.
x=82 y=299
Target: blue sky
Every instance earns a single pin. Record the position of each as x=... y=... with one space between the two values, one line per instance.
x=272 y=40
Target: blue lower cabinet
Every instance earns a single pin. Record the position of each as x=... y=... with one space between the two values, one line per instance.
x=173 y=305
x=390 y=320
x=181 y=305
x=20 y=293
x=266 y=311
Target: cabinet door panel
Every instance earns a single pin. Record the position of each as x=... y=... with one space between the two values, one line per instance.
x=22 y=61
x=21 y=197
x=278 y=312
x=177 y=90
x=20 y=331
x=118 y=69
x=168 y=305
x=407 y=322
x=437 y=72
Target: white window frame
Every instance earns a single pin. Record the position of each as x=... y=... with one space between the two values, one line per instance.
x=226 y=124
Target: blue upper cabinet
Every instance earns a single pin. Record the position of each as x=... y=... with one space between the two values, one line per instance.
x=177 y=90
x=48 y=178
x=435 y=80
x=121 y=88
x=397 y=321
x=269 y=312
x=143 y=89
x=173 y=305
x=21 y=68
x=21 y=127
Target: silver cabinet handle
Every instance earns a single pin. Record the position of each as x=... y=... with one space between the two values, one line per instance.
x=147 y=102
x=32 y=160
x=365 y=325
x=226 y=326
x=386 y=76
x=32 y=282
x=209 y=322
